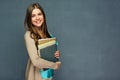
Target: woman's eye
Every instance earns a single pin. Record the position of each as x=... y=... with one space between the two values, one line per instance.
x=33 y=15
x=40 y=14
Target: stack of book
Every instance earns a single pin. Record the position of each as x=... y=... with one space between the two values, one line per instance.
x=47 y=48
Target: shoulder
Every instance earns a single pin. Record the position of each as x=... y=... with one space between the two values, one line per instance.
x=27 y=34
x=28 y=38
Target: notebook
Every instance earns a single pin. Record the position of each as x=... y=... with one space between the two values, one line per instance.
x=47 y=48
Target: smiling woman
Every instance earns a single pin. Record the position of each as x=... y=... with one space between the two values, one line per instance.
x=36 y=28
x=37 y=17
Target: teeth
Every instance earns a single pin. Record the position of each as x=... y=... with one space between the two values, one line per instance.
x=38 y=21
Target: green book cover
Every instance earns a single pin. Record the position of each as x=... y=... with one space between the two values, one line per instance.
x=47 y=48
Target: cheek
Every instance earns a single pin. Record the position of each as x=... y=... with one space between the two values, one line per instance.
x=42 y=17
x=32 y=20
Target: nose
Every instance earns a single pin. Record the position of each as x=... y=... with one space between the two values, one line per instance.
x=37 y=17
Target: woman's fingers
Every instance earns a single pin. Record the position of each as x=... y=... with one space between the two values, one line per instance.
x=57 y=54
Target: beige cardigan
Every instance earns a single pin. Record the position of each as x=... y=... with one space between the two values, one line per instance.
x=35 y=63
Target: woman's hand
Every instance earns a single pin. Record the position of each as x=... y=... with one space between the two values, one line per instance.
x=58 y=63
x=57 y=54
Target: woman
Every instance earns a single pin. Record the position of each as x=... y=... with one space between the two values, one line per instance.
x=36 y=28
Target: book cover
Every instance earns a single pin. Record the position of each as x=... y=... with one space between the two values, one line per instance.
x=47 y=48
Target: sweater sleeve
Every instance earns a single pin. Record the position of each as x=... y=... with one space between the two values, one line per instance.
x=33 y=54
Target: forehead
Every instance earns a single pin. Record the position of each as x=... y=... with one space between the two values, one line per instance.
x=36 y=10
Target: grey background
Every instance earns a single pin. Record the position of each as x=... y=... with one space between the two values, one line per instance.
x=88 y=32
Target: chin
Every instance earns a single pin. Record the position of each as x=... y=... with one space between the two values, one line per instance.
x=38 y=25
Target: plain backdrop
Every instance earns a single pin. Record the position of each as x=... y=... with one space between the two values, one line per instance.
x=88 y=32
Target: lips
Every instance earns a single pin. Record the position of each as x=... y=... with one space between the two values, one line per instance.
x=39 y=21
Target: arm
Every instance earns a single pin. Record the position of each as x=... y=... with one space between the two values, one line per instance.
x=33 y=54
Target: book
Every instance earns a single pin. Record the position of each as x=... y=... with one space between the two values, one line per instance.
x=47 y=48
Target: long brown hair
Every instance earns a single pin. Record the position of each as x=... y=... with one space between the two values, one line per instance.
x=35 y=32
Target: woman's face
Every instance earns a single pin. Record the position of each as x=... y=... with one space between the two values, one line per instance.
x=37 y=17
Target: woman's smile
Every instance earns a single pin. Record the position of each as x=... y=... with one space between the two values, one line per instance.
x=37 y=18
